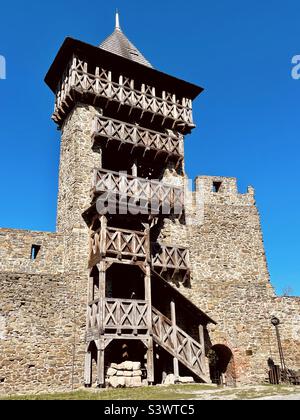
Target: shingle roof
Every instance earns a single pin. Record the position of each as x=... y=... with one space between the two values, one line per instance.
x=117 y=43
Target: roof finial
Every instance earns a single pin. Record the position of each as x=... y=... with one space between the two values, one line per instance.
x=118 y=28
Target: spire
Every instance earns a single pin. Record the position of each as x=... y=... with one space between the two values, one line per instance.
x=117 y=43
x=118 y=28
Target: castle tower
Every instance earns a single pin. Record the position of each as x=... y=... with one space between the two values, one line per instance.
x=123 y=125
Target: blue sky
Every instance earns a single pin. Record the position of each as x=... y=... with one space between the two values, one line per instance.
x=247 y=118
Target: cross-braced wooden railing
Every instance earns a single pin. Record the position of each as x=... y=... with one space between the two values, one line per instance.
x=114 y=129
x=118 y=243
x=117 y=314
x=170 y=257
x=126 y=91
x=153 y=192
x=177 y=342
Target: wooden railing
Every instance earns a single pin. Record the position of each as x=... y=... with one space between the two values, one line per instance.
x=118 y=243
x=177 y=342
x=151 y=191
x=170 y=257
x=117 y=314
x=113 y=129
x=77 y=78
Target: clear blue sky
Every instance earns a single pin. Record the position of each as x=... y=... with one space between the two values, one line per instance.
x=247 y=118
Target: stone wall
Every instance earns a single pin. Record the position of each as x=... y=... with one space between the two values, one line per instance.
x=230 y=278
x=16 y=247
x=41 y=333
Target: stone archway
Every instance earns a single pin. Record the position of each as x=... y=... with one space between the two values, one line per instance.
x=221 y=365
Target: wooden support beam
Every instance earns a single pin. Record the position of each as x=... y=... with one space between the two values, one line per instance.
x=150 y=362
x=204 y=359
x=100 y=363
x=148 y=297
x=88 y=368
x=102 y=292
x=134 y=168
x=174 y=339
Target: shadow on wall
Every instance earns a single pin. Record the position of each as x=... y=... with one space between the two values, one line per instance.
x=221 y=365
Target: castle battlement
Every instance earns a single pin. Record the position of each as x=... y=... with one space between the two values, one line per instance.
x=220 y=190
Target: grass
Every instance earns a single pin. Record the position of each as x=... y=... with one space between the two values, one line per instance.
x=175 y=393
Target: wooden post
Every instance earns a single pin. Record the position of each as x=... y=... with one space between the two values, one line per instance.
x=100 y=363
x=134 y=169
x=100 y=158
x=102 y=245
x=102 y=293
x=150 y=362
x=148 y=299
x=174 y=338
x=91 y=288
x=204 y=359
x=88 y=368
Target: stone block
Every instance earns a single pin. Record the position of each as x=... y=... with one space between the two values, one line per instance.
x=111 y=372
x=120 y=373
x=128 y=374
x=127 y=366
x=186 y=380
x=136 y=373
x=170 y=380
x=136 y=366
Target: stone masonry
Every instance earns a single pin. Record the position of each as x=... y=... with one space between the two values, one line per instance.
x=230 y=278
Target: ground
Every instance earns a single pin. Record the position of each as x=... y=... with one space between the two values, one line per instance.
x=176 y=392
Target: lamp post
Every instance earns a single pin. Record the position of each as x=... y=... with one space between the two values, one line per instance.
x=276 y=322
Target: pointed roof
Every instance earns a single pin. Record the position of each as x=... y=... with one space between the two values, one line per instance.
x=117 y=43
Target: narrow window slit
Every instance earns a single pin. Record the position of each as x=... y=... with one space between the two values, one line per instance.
x=35 y=249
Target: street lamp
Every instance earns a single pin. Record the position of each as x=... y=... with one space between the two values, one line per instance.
x=276 y=322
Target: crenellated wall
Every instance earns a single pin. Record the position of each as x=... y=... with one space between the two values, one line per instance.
x=230 y=278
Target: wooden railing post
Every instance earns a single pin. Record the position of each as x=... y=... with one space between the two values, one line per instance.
x=102 y=239
x=102 y=292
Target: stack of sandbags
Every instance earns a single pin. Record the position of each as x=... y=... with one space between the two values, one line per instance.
x=125 y=375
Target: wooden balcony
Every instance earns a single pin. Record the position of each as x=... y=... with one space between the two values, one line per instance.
x=173 y=258
x=116 y=315
x=102 y=89
x=118 y=244
x=109 y=129
x=151 y=194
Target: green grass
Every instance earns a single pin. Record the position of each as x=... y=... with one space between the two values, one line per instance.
x=182 y=392
x=175 y=393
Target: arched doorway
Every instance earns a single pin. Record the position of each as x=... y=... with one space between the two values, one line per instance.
x=221 y=365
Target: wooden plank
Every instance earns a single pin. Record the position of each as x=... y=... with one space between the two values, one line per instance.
x=88 y=368
x=150 y=362
x=100 y=362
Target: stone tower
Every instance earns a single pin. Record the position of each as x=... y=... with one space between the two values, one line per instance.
x=123 y=126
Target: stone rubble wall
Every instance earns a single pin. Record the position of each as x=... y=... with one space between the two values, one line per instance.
x=42 y=331
x=230 y=279
x=15 y=252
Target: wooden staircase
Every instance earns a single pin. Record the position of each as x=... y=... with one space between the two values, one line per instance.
x=179 y=344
